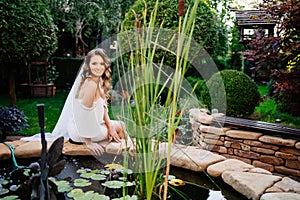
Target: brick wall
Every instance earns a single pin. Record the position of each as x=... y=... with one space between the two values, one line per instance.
x=272 y=153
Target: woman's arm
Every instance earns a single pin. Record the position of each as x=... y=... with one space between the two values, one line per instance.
x=88 y=95
x=111 y=130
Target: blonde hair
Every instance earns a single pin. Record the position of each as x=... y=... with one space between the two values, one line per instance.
x=106 y=76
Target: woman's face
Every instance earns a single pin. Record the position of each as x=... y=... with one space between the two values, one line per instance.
x=97 y=65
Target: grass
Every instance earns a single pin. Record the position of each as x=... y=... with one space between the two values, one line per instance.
x=266 y=111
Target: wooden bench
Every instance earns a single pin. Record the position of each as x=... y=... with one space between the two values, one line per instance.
x=287 y=132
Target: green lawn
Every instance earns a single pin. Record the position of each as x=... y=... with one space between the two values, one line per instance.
x=266 y=111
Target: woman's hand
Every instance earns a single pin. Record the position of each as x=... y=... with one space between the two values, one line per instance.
x=113 y=135
x=96 y=148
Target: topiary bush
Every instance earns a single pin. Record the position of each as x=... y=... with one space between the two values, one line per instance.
x=241 y=96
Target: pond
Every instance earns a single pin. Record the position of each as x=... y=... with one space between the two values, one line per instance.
x=86 y=173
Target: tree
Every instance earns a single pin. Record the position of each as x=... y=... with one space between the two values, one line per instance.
x=280 y=55
x=83 y=19
x=27 y=31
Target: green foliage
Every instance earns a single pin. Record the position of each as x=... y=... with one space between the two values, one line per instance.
x=83 y=19
x=12 y=119
x=196 y=80
x=242 y=95
x=206 y=30
x=27 y=31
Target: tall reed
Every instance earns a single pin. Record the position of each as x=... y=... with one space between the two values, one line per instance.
x=145 y=81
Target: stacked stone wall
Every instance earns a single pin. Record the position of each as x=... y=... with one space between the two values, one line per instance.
x=273 y=153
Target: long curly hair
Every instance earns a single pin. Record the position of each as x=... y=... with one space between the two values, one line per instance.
x=106 y=76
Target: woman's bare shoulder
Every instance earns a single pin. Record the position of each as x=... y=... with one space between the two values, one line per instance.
x=89 y=83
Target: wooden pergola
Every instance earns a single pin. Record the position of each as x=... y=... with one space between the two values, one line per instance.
x=254 y=23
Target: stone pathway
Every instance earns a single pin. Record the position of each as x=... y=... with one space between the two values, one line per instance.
x=254 y=183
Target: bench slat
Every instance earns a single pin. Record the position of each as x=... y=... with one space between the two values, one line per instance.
x=259 y=126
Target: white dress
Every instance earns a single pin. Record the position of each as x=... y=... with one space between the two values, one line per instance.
x=88 y=122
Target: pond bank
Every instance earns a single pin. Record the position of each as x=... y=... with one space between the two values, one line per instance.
x=253 y=182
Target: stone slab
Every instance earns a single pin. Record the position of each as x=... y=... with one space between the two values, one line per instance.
x=240 y=134
x=280 y=196
x=288 y=185
x=30 y=149
x=277 y=141
x=217 y=169
x=252 y=185
x=193 y=158
x=5 y=151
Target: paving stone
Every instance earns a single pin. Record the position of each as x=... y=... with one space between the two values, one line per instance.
x=217 y=169
x=297 y=145
x=248 y=135
x=280 y=196
x=259 y=170
x=193 y=158
x=5 y=152
x=30 y=149
x=277 y=140
x=288 y=185
x=252 y=185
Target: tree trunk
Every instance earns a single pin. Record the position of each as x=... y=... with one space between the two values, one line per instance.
x=12 y=88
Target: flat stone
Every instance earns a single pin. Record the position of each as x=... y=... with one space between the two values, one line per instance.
x=263 y=165
x=30 y=149
x=5 y=152
x=286 y=156
x=294 y=164
x=285 y=170
x=193 y=158
x=297 y=145
x=217 y=169
x=252 y=185
x=214 y=130
x=118 y=148
x=277 y=141
x=260 y=144
x=248 y=135
x=280 y=196
x=260 y=171
x=288 y=185
x=199 y=115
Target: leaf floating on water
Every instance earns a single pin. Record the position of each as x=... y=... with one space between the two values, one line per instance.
x=81 y=171
x=87 y=175
x=91 y=195
x=95 y=171
x=114 y=184
x=117 y=184
x=127 y=197
x=64 y=188
x=75 y=192
x=11 y=197
x=4 y=182
x=81 y=182
x=4 y=191
x=106 y=172
x=98 y=177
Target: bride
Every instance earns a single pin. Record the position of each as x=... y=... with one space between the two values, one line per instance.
x=84 y=118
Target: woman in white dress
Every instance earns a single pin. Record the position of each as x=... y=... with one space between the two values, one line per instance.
x=91 y=123
x=84 y=118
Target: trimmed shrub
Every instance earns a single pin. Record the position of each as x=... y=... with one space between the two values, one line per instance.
x=241 y=96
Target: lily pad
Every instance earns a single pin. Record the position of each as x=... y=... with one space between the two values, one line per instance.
x=114 y=184
x=81 y=182
x=87 y=175
x=127 y=197
x=106 y=172
x=117 y=184
x=4 y=191
x=11 y=197
x=75 y=193
x=64 y=188
x=98 y=177
x=81 y=171
x=4 y=182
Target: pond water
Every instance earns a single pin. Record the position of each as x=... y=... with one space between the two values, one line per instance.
x=198 y=186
